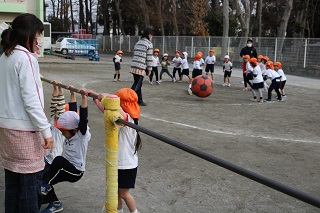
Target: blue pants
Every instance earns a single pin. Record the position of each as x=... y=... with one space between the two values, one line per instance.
x=23 y=192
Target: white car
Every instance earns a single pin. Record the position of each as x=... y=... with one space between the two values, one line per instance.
x=73 y=46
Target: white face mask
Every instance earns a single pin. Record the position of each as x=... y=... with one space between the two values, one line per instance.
x=249 y=45
x=39 y=42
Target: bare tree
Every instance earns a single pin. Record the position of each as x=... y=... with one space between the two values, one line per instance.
x=174 y=17
x=72 y=18
x=283 y=26
x=243 y=15
x=117 y=5
x=200 y=11
x=224 y=48
x=159 y=14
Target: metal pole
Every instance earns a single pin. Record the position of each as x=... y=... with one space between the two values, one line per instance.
x=129 y=43
x=228 y=46
x=192 y=51
x=163 y=44
x=305 y=53
x=275 y=50
x=241 y=171
x=176 y=42
x=209 y=44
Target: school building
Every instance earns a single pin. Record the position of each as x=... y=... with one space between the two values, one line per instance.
x=9 y=9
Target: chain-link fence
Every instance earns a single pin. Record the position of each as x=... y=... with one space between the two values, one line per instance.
x=292 y=52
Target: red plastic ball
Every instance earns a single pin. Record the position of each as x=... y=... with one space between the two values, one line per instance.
x=202 y=86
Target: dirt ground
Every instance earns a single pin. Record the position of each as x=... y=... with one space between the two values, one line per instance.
x=279 y=140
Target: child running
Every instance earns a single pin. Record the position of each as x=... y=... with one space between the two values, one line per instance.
x=116 y=60
x=155 y=63
x=263 y=69
x=71 y=165
x=201 y=61
x=275 y=79
x=164 y=66
x=227 y=69
x=257 y=82
x=129 y=143
x=184 y=65
x=283 y=78
x=209 y=62
x=177 y=66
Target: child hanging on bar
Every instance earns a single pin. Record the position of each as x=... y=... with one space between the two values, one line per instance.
x=71 y=165
x=129 y=143
x=116 y=60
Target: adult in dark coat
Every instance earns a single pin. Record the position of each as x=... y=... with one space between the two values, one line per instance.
x=252 y=52
x=249 y=50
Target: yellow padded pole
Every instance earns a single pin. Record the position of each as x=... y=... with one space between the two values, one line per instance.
x=111 y=105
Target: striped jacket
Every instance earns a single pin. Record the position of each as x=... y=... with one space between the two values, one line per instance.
x=142 y=58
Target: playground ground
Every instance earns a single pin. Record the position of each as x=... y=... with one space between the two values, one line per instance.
x=279 y=140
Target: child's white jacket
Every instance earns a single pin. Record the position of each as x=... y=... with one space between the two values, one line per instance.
x=21 y=99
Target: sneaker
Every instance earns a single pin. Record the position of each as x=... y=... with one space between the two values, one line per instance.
x=279 y=99
x=229 y=85
x=174 y=80
x=284 y=95
x=53 y=207
x=224 y=84
x=245 y=89
x=267 y=100
x=254 y=100
x=261 y=100
x=114 y=80
x=142 y=103
x=150 y=82
x=119 y=79
x=190 y=91
x=45 y=188
x=158 y=82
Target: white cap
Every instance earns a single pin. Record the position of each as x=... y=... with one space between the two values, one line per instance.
x=165 y=54
x=227 y=56
x=68 y=120
x=185 y=54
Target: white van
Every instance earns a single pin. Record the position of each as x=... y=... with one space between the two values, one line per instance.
x=74 y=46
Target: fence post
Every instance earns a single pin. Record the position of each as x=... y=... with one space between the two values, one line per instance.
x=163 y=44
x=275 y=50
x=129 y=48
x=228 y=46
x=111 y=104
x=176 y=42
x=111 y=43
x=209 y=44
x=305 y=53
x=192 y=54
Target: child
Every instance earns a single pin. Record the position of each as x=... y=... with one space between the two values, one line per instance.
x=196 y=66
x=57 y=107
x=164 y=65
x=129 y=143
x=275 y=78
x=283 y=79
x=261 y=65
x=209 y=62
x=264 y=60
x=71 y=165
x=257 y=82
x=185 y=65
x=227 y=69
x=177 y=65
x=190 y=86
x=201 y=61
x=155 y=63
x=116 y=60
x=247 y=69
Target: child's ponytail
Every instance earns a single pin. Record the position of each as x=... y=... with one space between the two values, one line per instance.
x=138 y=142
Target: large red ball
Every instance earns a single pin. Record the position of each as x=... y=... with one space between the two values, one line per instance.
x=202 y=86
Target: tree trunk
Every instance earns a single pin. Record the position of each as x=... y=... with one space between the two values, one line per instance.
x=283 y=26
x=224 y=48
x=90 y=18
x=159 y=14
x=72 y=18
x=53 y=8
x=117 y=4
x=81 y=15
x=87 y=15
x=174 y=18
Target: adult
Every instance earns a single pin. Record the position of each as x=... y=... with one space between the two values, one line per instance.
x=252 y=52
x=142 y=62
x=24 y=128
x=249 y=49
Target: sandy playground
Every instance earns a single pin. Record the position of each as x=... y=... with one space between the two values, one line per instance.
x=280 y=140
